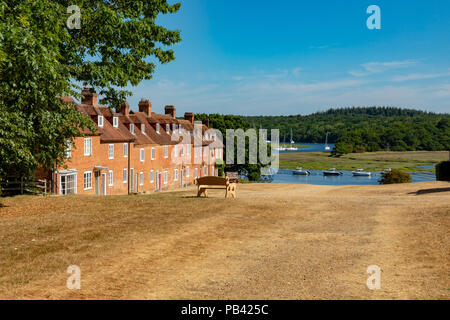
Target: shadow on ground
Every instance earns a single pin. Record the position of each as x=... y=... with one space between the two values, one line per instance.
x=433 y=190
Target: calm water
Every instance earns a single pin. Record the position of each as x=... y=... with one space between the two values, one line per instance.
x=317 y=177
x=313 y=147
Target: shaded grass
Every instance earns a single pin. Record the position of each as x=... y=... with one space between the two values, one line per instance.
x=372 y=161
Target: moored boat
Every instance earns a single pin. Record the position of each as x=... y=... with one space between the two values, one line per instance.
x=332 y=172
x=300 y=171
x=361 y=173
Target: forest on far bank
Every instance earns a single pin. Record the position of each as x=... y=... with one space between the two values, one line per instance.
x=361 y=129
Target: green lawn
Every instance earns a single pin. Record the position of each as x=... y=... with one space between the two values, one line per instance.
x=372 y=161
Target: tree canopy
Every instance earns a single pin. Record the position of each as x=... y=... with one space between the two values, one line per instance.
x=365 y=129
x=41 y=59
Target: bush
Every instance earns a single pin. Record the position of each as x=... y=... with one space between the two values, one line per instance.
x=220 y=165
x=443 y=171
x=395 y=176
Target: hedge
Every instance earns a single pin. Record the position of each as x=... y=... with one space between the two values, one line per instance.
x=443 y=171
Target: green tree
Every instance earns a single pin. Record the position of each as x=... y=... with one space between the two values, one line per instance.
x=224 y=122
x=395 y=176
x=42 y=60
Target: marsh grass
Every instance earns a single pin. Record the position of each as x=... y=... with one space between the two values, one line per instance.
x=371 y=161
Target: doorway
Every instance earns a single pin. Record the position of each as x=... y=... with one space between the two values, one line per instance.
x=103 y=184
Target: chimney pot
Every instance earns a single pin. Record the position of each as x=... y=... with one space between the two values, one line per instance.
x=170 y=110
x=189 y=116
x=125 y=109
x=89 y=96
x=145 y=106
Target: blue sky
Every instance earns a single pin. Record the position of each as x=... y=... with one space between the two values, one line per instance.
x=297 y=57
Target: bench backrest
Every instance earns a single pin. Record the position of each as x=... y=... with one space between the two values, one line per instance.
x=212 y=181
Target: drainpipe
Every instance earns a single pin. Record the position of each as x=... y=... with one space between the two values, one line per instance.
x=128 y=169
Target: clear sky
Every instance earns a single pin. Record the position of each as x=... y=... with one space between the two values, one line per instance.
x=257 y=57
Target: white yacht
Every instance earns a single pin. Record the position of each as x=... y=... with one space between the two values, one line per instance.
x=300 y=171
x=327 y=147
x=361 y=173
x=332 y=172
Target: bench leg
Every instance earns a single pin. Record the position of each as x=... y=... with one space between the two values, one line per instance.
x=231 y=192
x=202 y=191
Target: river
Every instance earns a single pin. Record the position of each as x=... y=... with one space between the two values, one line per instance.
x=316 y=177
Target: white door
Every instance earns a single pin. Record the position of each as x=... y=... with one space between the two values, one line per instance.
x=103 y=184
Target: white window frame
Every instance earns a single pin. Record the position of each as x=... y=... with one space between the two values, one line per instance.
x=100 y=121
x=175 y=175
x=87 y=186
x=132 y=128
x=110 y=178
x=175 y=151
x=152 y=176
x=88 y=147
x=143 y=128
x=153 y=154
x=141 y=178
x=125 y=150
x=168 y=128
x=125 y=175
x=166 y=177
x=166 y=152
x=110 y=151
x=142 y=154
x=196 y=173
x=75 y=188
x=182 y=150
x=115 y=122
x=187 y=172
x=157 y=128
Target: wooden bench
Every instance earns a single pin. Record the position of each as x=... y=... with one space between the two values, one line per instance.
x=212 y=182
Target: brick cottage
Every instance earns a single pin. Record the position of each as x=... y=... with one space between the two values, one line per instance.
x=134 y=152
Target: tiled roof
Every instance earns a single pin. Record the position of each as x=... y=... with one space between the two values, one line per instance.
x=122 y=133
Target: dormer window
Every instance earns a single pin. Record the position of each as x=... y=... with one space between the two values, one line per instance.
x=157 y=128
x=132 y=128
x=115 y=122
x=143 y=128
x=100 y=121
x=167 y=128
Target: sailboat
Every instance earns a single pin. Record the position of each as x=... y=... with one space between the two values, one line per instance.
x=292 y=147
x=327 y=147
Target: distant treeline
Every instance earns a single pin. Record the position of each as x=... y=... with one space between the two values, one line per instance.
x=364 y=129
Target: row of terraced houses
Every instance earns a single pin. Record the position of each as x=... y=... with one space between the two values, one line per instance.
x=134 y=152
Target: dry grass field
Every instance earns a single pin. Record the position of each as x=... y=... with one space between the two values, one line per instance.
x=275 y=241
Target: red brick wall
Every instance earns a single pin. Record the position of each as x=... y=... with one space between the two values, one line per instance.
x=100 y=157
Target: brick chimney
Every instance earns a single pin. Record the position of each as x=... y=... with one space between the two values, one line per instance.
x=170 y=110
x=145 y=106
x=89 y=96
x=205 y=121
x=189 y=116
x=125 y=109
